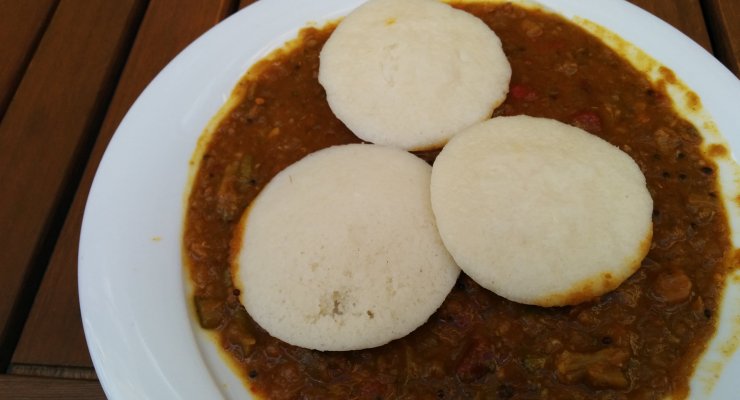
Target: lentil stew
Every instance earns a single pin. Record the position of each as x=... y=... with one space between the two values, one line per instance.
x=640 y=341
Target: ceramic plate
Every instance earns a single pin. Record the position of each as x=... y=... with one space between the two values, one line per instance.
x=133 y=291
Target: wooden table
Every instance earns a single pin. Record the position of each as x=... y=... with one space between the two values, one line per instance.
x=69 y=71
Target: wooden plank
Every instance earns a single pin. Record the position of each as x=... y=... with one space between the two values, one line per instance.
x=167 y=27
x=723 y=18
x=244 y=3
x=21 y=25
x=684 y=15
x=25 y=388
x=48 y=126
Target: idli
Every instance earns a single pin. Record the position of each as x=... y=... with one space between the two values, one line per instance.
x=340 y=251
x=412 y=73
x=541 y=212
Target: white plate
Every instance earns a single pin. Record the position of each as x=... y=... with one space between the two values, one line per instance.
x=132 y=289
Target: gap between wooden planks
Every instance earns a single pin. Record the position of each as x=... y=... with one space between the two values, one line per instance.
x=723 y=19
x=22 y=25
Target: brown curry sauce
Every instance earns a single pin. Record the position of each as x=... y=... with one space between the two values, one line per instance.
x=640 y=341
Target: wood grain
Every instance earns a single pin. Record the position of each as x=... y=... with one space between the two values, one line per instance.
x=684 y=15
x=53 y=334
x=47 y=371
x=47 y=129
x=723 y=18
x=25 y=388
x=21 y=25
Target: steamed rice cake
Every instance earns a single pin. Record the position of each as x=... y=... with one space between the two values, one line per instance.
x=340 y=251
x=541 y=212
x=412 y=73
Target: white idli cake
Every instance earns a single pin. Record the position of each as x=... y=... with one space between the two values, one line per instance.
x=412 y=73
x=340 y=251
x=541 y=212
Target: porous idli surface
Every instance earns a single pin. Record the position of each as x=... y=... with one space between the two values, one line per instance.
x=412 y=73
x=340 y=251
x=541 y=212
